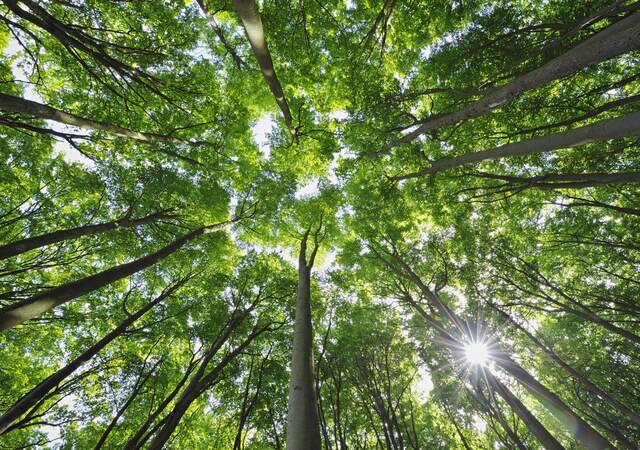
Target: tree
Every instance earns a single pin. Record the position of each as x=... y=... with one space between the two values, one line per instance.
x=303 y=426
x=428 y=240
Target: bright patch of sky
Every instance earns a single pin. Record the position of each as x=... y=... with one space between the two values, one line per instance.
x=423 y=385
x=19 y=69
x=202 y=51
x=346 y=210
x=350 y=4
x=53 y=432
x=327 y=263
x=68 y=152
x=261 y=130
x=308 y=190
x=403 y=80
x=340 y=114
x=479 y=423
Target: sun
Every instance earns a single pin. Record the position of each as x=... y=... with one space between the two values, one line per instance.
x=476 y=353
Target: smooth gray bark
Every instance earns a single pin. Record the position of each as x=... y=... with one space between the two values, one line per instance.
x=628 y=125
x=561 y=180
x=536 y=428
x=24 y=245
x=250 y=16
x=10 y=103
x=619 y=38
x=36 y=305
x=303 y=422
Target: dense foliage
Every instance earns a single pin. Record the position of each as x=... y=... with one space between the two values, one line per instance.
x=451 y=186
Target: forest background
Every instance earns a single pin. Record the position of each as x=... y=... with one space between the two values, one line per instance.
x=310 y=224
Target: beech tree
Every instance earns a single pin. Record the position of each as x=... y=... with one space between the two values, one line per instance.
x=319 y=225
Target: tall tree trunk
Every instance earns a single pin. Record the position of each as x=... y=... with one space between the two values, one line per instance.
x=538 y=430
x=591 y=113
x=628 y=125
x=36 y=305
x=303 y=423
x=570 y=370
x=581 y=430
x=250 y=16
x=24 y=245
x=198 y=385
x=559 y=181
x=10 y=103
x=617 y=39
x=36 y=394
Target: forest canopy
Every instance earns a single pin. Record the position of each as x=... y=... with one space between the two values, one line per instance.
x=320 y=224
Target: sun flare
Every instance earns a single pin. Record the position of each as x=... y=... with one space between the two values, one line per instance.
x=476 y=353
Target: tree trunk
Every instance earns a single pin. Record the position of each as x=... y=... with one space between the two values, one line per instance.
x=628 y=125
x=560 y=181
x=571 y=371
x=250 y=16
x=24 y=245
x=10 y=103
x=591 y=113
x=32 y=307
x=199 y=384
x=619 y=38
x=538 y=430
x=582 y=431
x=303 y=423
x=195 y=387
x=36 y=394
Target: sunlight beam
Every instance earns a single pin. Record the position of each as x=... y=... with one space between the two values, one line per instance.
x=476 y=353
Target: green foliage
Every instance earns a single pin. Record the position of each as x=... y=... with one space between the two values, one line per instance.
x=561 y=260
